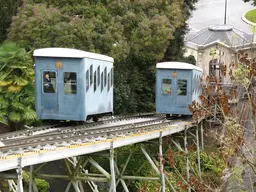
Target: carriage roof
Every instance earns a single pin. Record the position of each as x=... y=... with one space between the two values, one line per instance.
x=69 y=53
x=177 y=65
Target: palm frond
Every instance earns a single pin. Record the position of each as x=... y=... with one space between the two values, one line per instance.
x=5 y=83
x=15 y=117
x=14 y=89
x=29 y=114
x=20 y=81
x=17 y=106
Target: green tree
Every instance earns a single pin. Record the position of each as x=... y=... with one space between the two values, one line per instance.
x=135 y=33
x=7 y=10
x=16 y=90
x=252 y=1
x=176 y=50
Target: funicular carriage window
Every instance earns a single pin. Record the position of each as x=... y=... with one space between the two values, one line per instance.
x=101 y=76
x=98 y=75
x=111 y=74
x=87 y=80
x=95 y=82
x=105 y=76
x=91 y=73
x=182 y=87
x=166 y=86
x=49 y=81
x=109 y=81
x=70 y=83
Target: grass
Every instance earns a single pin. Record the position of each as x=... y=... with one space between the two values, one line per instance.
x=251 y=16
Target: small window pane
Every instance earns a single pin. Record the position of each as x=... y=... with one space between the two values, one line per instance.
x=91 y=74
x=182 y=87
x=101 y=81
x=95 y=83
x=112 y=77
x=105 y=76
x=109 y=81
x=166 y=86
x=49 y=82
x=70 y=83
x=98 y=75
x=87 y=80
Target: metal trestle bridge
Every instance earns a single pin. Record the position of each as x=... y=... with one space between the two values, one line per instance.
x=75 y=144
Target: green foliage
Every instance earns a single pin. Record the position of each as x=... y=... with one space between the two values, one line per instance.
x=211 y=168
x=251 y=1
x=135 y=33
x=7 y=10
x=41 y=184
x=16 y=90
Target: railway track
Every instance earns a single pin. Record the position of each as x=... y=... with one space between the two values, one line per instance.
x=83 y=134
x=59 y=126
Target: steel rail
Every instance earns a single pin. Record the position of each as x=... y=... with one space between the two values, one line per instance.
x=67 y=132
x=84 y=138
x=36 y=130
x=88 y=126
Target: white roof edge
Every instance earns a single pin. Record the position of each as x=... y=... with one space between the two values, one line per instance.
x=69 y=53
x=176 y=65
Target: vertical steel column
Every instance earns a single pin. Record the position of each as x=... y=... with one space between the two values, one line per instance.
x=31 y=178
x=19 y=173
x=186 y=154
x=161 y=162
x=112 y=169
x=76 y=186
x=202 y=136
x=154 y=166
x=198 y=150
x=225 y=13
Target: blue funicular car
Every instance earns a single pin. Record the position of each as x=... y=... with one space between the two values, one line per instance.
x=177 y=85
x=72 y=84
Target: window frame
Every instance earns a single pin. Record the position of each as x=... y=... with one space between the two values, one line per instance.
x=87 y=79
x=70 y=83
x=162 y=82
x=42 y=85
x=179 y=88
x=98 y=75
x=109 y=81
x=95 y=80
x=112 y=77
x=105 y=76
x=102 y=81
x=91 y=75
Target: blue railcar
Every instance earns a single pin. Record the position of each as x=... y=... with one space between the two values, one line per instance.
x=72 y=84
x=177 y=85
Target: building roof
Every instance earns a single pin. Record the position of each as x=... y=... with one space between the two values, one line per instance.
x=176 y=65
x=69 y=53
x=223 y=34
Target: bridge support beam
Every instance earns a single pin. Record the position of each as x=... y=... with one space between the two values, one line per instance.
x=187 y=159
x=202 y=135
x=121 y=179
x=31 y=178
x=154 y=166
x=112 y=170
x=198 y=151
x=19 y=173
x=161 y=162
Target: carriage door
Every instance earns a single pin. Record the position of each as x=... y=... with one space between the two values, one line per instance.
x=165 y=96
x=49 y=92
x=181 y=90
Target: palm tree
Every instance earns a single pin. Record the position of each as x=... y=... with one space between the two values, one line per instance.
x=16 y=86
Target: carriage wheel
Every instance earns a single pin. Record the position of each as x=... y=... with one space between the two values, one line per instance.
x=95 y=118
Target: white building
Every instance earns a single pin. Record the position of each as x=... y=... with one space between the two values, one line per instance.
x=219 y=46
